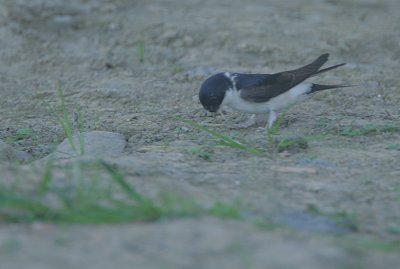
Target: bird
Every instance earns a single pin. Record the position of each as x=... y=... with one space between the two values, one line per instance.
x=263 y=93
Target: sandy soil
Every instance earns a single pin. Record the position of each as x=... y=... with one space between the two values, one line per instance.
x=90 y=49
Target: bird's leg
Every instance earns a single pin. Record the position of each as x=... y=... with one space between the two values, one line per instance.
x=272 y=118
x=248 y=123
x=221 y=113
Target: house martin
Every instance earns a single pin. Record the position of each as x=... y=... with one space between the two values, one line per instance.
x=263 y=93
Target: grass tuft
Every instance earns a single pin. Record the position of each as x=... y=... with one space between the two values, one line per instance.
x=225 y=211
x=292 y=144
x=23 y=133
x=395 y=146
x=100 y=194
x=343 y=219
x=65 y=119
x=201 y=152
x=368 y=129
x=223 y=139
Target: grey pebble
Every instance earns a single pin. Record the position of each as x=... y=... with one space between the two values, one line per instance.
x=95 y=143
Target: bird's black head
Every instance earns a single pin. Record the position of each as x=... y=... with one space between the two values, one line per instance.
x=212 y=91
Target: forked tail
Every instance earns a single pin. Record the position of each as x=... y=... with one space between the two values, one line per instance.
x=320 y=87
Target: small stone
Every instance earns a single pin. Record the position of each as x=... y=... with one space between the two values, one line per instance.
x=188 y=40
x=113 y=26
x=242 y=45
x=41 y=226
x=169 y=35
x=285 y=153
x=94 y=143
x=185 y=129
x=63 y=19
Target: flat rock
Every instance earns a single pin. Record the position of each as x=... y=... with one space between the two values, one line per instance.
x=9 y=154
x=94 y=143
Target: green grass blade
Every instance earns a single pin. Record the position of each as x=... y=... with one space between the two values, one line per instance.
x=140 y=51
x=46 y=178
x=81 y=135
x=65 y=119
x=120 y=180
x=276 y=127
x=225 y=140
x=15 y=207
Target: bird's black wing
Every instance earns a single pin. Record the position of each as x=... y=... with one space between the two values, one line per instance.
x=270 y=86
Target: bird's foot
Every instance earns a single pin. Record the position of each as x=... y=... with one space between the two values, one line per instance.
x=248 y=123
x=272 y=118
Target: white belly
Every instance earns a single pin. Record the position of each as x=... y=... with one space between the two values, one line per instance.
x=233 y=100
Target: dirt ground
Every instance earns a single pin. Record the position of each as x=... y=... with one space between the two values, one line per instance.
x=134 y=67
